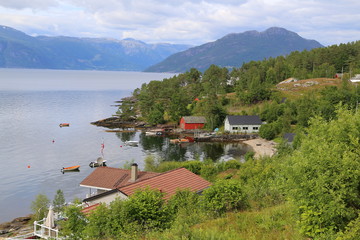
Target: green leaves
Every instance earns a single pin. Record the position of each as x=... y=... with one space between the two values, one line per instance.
x=223 y=196
x=323 y=174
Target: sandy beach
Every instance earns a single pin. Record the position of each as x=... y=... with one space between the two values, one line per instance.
x=262 y=147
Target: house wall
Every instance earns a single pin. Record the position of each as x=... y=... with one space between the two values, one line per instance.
x=240 y=128
x=243 y=128
x=190 y=126
x=108 y=198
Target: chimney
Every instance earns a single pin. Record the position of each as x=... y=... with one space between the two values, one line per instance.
x=134 y=172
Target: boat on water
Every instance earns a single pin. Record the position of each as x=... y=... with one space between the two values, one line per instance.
x=69 y=169
x=132 y=143
x=99 y=162
x=64 y=125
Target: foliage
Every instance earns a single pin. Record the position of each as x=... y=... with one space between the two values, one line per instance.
x=147 y=208
x=59 y=201
x=97 y=223
x=323 y=174
x=223 y=196
x=261 y=180
x=39 y=207
x=74 y=224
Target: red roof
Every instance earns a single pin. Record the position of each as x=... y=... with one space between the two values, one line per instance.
x=111 y=178
x=169 y=182
x=89 y=209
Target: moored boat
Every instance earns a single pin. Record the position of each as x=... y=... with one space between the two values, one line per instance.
x=99 y=162
x=64 y=125
x=72 y=168
x=132 y=143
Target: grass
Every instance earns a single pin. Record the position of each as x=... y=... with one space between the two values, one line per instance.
x=273 y=223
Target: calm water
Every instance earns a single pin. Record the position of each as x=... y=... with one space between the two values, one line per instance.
x=33 y=148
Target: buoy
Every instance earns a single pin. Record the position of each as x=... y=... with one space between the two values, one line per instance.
x=53 y=141
x=120 y=146
x=28 y=166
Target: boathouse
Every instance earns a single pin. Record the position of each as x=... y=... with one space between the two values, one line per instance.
x=242 y=124
x=192 y=122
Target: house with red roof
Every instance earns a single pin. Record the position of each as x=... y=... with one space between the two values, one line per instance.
x=121 y=183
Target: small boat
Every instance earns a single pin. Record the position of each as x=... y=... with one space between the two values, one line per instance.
x=99 y=162
x=180 y=140
x=64 y=125
x=132 y=143
x=72 y=168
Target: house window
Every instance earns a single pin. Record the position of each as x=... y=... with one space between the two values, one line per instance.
x=245 y=128
x=235 y=128
x=255 y=128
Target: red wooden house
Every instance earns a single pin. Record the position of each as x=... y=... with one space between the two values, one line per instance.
x=192 y=122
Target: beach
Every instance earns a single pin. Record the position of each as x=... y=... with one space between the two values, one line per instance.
x=262 y=147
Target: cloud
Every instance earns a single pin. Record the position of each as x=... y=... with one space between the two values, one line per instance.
x=183 y=21
x=25 y=4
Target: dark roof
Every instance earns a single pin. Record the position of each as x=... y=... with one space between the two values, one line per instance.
x=244 y=120
x=194 y=119
x=111 y=178
x=289 y=137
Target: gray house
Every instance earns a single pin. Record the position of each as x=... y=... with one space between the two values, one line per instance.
x=243 y=124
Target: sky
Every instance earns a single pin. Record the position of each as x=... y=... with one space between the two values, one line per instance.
x=193 y=22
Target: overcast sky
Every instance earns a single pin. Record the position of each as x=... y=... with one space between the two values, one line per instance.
x=192 y=22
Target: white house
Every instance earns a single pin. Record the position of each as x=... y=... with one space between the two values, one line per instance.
x=242 y=124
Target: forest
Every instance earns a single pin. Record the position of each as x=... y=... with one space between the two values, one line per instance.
x=308 y=190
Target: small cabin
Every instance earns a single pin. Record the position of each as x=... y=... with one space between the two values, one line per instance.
x=192 y=122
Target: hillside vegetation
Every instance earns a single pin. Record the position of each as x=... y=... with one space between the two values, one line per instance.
x=308 y=190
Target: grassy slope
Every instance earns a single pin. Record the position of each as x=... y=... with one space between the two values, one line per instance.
x=291 y=90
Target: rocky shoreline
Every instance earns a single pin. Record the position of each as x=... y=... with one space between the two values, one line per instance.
x=18 y=226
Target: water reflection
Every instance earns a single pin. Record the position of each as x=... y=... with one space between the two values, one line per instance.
x=126 y=135
x=162 y=148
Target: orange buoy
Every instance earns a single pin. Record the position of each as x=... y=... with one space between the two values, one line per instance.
x=28 y=166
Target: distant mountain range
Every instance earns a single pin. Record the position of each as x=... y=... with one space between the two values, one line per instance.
x=235 y=49
x=18 y=50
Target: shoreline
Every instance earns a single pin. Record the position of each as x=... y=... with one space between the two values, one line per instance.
x=262 y=147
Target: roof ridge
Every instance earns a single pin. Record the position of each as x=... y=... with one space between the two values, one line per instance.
x=120 y=180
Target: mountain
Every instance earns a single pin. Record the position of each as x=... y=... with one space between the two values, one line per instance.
x=18 y=50
x=235 y=49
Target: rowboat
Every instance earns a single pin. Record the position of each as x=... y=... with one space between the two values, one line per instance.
x=72 y=168
x=64 y=125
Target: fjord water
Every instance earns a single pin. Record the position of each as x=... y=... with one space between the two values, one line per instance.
x=33 y=148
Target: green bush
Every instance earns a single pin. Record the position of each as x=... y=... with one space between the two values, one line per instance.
x=223 y=196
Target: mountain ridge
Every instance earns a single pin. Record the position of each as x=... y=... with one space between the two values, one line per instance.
x=19 y=50
x=234 y=49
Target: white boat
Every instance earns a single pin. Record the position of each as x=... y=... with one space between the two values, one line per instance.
x=99 y=162
x=132 y=143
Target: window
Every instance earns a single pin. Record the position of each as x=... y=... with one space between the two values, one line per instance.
x=235 y=128
x=245 y=128
x=255 y=128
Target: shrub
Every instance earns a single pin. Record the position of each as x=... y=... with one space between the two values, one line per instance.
x=223 y=196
